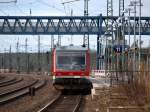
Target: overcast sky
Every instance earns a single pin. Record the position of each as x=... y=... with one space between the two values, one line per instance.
x=56 y=8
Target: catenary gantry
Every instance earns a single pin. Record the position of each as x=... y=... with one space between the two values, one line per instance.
x=62 y=25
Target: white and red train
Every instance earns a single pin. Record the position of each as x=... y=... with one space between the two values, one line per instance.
x=71 y=67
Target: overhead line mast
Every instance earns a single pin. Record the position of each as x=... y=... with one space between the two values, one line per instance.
x=121 y=7
x=86 y=37
x=109 y=32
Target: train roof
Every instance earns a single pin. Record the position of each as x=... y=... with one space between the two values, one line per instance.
x=71 y=48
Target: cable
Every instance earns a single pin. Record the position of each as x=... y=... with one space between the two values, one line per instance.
x=70 y=1
x=79 y=8
x=12 y=1
x=26 y=3
x=20 y=9
x=16 y=6
x=51 y=6
x=64 y=8
x=70 y=7
x=3 y=12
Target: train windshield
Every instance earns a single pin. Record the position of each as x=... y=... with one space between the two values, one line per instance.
x=71 y=61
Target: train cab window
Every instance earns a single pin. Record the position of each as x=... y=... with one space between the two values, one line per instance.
x=71 y=62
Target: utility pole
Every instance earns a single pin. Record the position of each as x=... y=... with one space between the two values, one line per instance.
x=136 y=3
x=129 y=65
x=2 y=61
x=18 y=57
x=128 y=10
x=121 y=40
x=52 y=42
x=52 y=46
x=10 y=60
x=121 y=7
x=140 y=6
x=109 y=33
x=39 y=57
x=148 y=58
x=30 y=12
x=86 y=36
x=59 y=40
x=124 y=57
x=5 y=59
x=27 y=55
x=71 y=35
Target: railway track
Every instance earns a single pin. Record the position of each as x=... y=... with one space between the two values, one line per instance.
x=18 y=92
x=17 y=80
x=7 y=79
x=1 y=78
x=9 y=89
x=63 y=103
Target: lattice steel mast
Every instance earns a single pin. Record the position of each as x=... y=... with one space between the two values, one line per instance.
x=109 y=32
x=121 y=7
x=86 y=37
x=122 y=63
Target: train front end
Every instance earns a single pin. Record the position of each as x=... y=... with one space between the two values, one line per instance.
x=71 y=68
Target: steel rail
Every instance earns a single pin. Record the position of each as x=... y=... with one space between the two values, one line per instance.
x=18 y=89
x=17 y=94
x=6 y=80
x=50 y=103
x=12 y=82
x=55 y=103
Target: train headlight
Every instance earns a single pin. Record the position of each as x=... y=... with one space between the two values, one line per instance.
x=54 y=77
